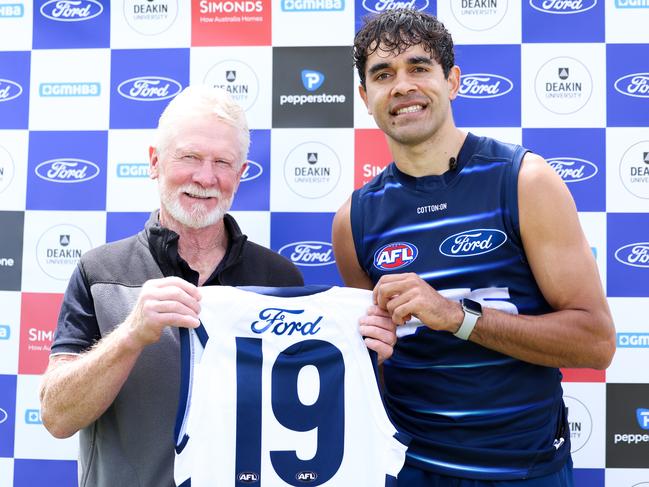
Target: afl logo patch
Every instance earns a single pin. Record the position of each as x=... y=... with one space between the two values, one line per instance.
x=395 y=256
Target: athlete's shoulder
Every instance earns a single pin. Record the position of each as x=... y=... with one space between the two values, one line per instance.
x=490 y=148
x=378 y=182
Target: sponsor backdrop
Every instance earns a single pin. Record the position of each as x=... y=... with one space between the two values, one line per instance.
x=83 y=82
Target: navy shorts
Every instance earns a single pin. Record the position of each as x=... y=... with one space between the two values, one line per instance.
x=414 y=477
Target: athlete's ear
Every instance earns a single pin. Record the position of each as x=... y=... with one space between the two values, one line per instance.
x=363 y=93
x=154 y=163
x=453 y=81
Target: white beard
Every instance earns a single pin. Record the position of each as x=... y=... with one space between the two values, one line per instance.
x=197 y=216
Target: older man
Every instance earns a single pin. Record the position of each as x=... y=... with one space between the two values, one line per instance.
x=114 y=369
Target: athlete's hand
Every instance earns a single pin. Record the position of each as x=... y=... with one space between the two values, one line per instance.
x=379 y=332
x=169 y=301
x=404 y=296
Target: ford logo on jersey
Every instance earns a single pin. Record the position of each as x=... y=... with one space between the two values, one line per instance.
x=378 y=6
x=563 y=6
x=472 y=242
x=635 y=255
x=279 y=321
x=9 y=90
x=248 y=477
x=67 y=170
x=636 y=85
x=149 y=88
x=573 y=169
x=484 y=85
x=71 y=10
x=252 y=171
x=395 y=256
x=309 y=253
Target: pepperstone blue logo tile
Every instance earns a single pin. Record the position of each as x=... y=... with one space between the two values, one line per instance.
x=366 y=8
x=579 y=157
x=29 y=473
x=627 y=85
x=627 y=236
x=14 y=89
x=68 y=24
x=67 y=170
x=563 y=21
x=490 y=83
x=120 y=225
x=7 y=414
x=305 y=240
x=143 y=82
x=254 y=191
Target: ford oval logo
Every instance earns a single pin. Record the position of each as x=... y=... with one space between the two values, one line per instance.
x=9 y=90
x=253 y=171
x=395 y=255
x=71 y=10
x=378 y=6
x=573 y=169
x=3 y=415
x=563 y=6
x=472 y=242
x=635 y=255
x=636 y=85
x=149 y=88
x=309 y=253
x=484 y=85
x=67 y=170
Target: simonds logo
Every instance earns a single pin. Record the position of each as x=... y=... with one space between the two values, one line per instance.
x=309 y=253
x=573 y=169
x=395 y=255
x=9 y=90
x=472 y=242
x=378 y=6
x=71 y=10
x=636 y=85
x=252 y=171
x=483 y=85
x=67 y=170
x=634 y=255
x=563 y=6
x=149 y=88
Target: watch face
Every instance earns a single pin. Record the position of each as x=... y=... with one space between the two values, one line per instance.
x=472 y=306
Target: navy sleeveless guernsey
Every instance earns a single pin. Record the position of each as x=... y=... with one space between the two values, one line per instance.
x=471 y=412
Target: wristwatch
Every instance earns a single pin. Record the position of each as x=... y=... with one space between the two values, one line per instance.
x=472 y=311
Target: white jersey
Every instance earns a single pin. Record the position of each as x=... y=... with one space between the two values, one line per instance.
x=281 y=391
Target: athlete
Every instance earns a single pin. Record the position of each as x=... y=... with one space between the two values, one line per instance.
x=474 y=248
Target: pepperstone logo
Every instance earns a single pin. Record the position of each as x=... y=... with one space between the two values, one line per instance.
x=634 y=255
x=632 y=4
x=378 y=6
x=67 y=170
x=71 y=10
x=12 y=10
x=479 y=15
x=9 y=90
x=59 y=249
x=312 y=80
x=573 y=169
x=150 y=17
x=149 y=88
x=563 y=7
x=633 y=340
x=237 y=78
x=252 y=171
x=6 y=169
x=48 y=90
x=483 y=85
x=634 y=169
x=312 y=5
x=627 y=425
x=312 y=170
x=309 y=253
x=580 y=422
x=563 y=85
x=635 y=85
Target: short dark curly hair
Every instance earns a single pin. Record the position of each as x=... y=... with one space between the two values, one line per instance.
x=396 y=30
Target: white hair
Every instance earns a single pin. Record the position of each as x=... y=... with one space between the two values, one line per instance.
x=199 y=100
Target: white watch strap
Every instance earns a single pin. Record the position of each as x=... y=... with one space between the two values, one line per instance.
x=467 y=326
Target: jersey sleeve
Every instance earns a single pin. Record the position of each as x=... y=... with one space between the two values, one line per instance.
x=77 y=328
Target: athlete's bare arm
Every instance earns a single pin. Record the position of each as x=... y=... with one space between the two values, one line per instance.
x=579 y=333
x=77 y=389
x=377 y=327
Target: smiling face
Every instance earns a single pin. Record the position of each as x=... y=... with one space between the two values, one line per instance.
x=408 y=95
x=199 y=171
